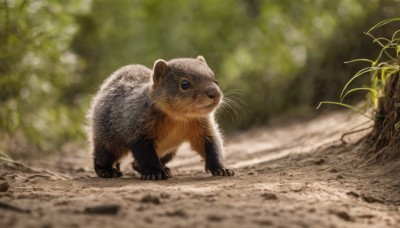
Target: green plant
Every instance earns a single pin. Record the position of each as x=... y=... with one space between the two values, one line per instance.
x=382 y=68
x=383 y=95
x=37 y=69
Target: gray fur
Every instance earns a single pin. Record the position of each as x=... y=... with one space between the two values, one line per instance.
x=117 y=111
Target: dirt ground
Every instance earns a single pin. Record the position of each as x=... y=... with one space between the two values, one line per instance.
x=297 y=174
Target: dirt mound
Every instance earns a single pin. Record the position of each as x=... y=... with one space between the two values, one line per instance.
x=296 y=175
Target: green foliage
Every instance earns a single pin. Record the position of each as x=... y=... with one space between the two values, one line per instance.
x=382 y=68
x=270 y=57
x=36 y=66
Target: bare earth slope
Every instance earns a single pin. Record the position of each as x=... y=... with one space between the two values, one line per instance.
x=296 y=175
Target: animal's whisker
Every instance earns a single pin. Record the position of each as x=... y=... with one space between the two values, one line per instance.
x=231 y=105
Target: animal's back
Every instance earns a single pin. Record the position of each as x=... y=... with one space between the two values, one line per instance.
x=120 y=91
x=130 y=76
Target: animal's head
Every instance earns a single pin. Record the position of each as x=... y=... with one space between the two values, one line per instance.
x=185 y=88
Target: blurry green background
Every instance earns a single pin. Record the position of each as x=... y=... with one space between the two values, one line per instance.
x=275 y=58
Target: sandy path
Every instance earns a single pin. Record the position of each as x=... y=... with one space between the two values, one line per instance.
x=296 y=175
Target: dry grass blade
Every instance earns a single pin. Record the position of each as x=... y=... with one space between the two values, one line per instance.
x=382 y=23
x=355 y=109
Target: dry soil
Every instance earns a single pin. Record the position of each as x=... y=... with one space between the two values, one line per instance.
x=297 y=174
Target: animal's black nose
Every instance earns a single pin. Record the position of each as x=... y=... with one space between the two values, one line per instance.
x=213 y=93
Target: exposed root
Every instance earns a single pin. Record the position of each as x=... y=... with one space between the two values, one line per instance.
x=17 y=166
x=383 y=144
x=342 y=139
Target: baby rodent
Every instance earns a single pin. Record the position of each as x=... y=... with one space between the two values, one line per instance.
x=151 y=113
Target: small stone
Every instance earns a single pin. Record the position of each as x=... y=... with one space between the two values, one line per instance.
x=82 y=169
x=339 y=176
x=372 y=199
x=164 y=195
x=47 y=225
x=353 y=194
x=269 y=196
x=150 y=199
x=4 y=186
x=108 y=209
x=343 y=215
x=148 y=220
x=177 y=213
x=210 y=199
x=319 y=161
x=333 y=170
x=296 y=188
x=215 y=218
x=366 y=216
x=264 y=222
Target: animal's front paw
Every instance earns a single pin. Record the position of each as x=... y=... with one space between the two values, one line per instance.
x=222 y=172
x=155 y=174
x=108 y=173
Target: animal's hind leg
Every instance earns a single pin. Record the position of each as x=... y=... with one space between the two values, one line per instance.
x=167 y=158
x=164 y=160
x=106 y=163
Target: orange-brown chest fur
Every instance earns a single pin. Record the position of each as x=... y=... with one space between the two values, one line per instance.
x=170 y=133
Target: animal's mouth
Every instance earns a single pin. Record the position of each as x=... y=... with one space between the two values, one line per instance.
x=211 y=105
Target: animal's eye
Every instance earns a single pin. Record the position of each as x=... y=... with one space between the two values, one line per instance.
x=185 y=85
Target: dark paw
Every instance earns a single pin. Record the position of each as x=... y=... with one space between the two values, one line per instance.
x=137 y=168
x=108 y=173
x=168 y=171
x=156 y=174
x=222 y=172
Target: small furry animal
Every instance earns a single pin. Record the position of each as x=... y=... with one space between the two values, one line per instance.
x=151 y=112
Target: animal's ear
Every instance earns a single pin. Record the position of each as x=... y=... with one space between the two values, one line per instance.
x=201 y=58
x=160 y=70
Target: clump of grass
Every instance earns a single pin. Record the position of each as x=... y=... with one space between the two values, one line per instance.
x=382 y=68
x=383 y=97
